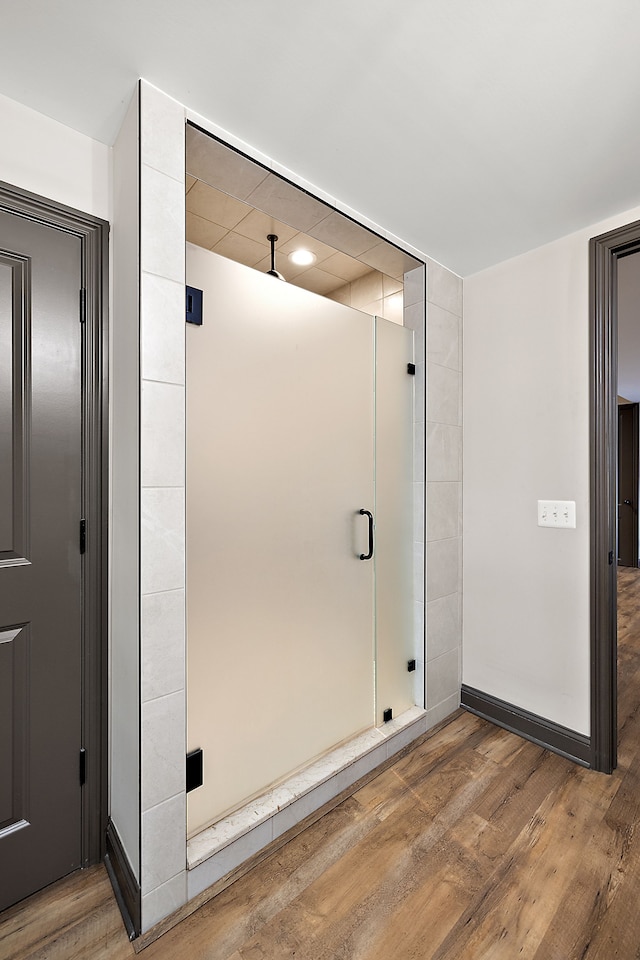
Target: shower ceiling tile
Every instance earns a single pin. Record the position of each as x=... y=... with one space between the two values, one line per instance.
x=257 y=226
x=290 y=271
x=240 y=249
x=345 y=267
x=317 y=281
x=344 y=235
x=388 y=259
x=282 y=200
x=321 y=250
x=220 y=166
x=216 y=206
x=203 y=232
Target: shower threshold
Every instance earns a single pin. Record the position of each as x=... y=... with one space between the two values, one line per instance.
x=220 y=848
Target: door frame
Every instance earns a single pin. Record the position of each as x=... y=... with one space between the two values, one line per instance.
x=604 y=252
x=93 y=234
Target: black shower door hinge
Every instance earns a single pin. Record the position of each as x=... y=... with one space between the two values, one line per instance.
x=83 y=766
x=83 y=305
x=83 y=535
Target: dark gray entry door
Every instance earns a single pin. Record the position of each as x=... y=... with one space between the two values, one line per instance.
x=40 y=561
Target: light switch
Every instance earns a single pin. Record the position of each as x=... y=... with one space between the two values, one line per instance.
x=557 y=513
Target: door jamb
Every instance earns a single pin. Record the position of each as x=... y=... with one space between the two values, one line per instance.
x=604 y=252
x=93 y=234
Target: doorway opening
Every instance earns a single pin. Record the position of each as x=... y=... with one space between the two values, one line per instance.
x=606 y=251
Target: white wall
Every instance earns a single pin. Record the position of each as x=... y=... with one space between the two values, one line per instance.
x=526 y=437
x=45 y=157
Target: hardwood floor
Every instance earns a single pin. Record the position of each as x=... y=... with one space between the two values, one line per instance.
x=475 y=845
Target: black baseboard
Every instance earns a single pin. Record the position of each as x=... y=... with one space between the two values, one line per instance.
x=568 y=743
x=125 y=885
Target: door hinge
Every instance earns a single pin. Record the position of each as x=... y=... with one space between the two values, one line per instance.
x=83 y=766
x=610 y=557
x=411 y=369
x=194 y=770
x=83 y=305
x=83 y=535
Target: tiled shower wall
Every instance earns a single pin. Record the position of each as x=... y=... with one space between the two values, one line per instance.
x=162 y=495
x=162 y=505
x=433 y=309
x=444 y=490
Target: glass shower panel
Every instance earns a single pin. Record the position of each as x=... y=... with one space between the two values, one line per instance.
x=279 y=463
x=394 y=518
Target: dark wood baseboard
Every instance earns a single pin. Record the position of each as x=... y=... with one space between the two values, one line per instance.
x=125 y=885
x=546 y=733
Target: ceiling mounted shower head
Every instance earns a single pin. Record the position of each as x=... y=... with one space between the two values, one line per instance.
x=271 y=237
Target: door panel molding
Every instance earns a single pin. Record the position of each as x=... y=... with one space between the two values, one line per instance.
x=93 y=234
x=604 y=252
x=17 y=550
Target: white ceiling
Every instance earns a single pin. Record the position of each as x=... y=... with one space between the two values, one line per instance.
x=473 y=129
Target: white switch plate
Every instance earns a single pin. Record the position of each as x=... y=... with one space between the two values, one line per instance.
x=556 y=513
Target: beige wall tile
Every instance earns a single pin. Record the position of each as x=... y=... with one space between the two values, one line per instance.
x=162 y=442
x=444 y=452
x=366 y=289
x=164 y=900
x=162 y=539
x=163 y=643
x=163 y=753
x=443 y=678
x=443 y=563
x=161 y=225
x=159 y=114
x=443 y=338
x=163 y=842
x=443 y=395
x=444 y=288
x=444 y=506
x=162 y=326
x=443 y=625
x=414 y=286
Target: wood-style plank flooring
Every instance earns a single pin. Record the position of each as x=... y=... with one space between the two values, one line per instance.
x=475 y=845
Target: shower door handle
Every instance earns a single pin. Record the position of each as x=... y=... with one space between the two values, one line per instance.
x=367 y=513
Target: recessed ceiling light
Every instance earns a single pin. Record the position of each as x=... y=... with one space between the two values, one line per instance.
x=302 y=257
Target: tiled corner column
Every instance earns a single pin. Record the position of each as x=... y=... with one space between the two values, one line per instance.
x=414 y=319
x=444 y=490
x=162 y=503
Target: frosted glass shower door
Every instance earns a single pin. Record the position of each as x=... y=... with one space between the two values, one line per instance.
x=279 y=463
